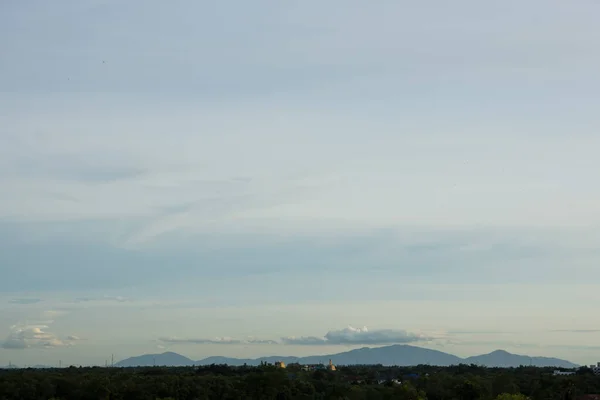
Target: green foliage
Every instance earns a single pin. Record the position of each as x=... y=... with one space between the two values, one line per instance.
x=510 y=396
x=220 y=382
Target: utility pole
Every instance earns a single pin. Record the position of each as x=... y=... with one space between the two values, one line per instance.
x=112 y=360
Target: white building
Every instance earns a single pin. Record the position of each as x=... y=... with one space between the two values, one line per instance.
x=557 y=372
x=596 y=368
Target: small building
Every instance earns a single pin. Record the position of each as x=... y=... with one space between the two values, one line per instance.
x=557 y=372
x=331 y=367
x=314 y=367
x=279 y=364
x=596 y=368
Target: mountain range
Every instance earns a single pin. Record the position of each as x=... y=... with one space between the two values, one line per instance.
x=402 y=355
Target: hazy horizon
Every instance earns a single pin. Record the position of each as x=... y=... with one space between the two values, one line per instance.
x=249 y=179
x=319 y=351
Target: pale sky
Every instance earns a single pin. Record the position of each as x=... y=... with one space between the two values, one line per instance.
x=253 y=178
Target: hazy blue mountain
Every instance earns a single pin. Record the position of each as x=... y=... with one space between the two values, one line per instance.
x=167 y=359
x=395 y=355
x=501 y=358
x=388 y=355
x=403 y=355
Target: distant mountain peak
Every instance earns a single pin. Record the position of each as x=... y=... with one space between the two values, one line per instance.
x=397 y=354
x=502 y=358
x=168 y=359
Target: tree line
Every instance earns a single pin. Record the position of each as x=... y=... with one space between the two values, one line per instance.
x=265 y=382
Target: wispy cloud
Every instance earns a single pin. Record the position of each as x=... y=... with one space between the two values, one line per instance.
x=217 y=340
x=119 y=299
x=346 y=336
x=25 y=301
x=304 y=340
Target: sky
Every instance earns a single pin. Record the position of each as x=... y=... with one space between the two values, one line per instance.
x=298 y=178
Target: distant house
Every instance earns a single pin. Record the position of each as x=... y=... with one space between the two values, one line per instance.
x=557 y=372
x=330 y=366
x=314 y=367
x=595 y=369
x=279 y=364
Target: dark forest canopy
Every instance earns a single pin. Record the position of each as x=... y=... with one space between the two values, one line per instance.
x=463 y=382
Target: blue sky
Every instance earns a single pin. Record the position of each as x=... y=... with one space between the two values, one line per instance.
x=206 y=177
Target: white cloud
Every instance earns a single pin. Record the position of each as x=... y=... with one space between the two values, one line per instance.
x=360 y=336
x=347 y=336
x=34 y=336
x=36 y=332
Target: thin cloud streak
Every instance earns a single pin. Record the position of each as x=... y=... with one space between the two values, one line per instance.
x=223 y=340
x=346 y=336
x=118 y=299
x=24 y=301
